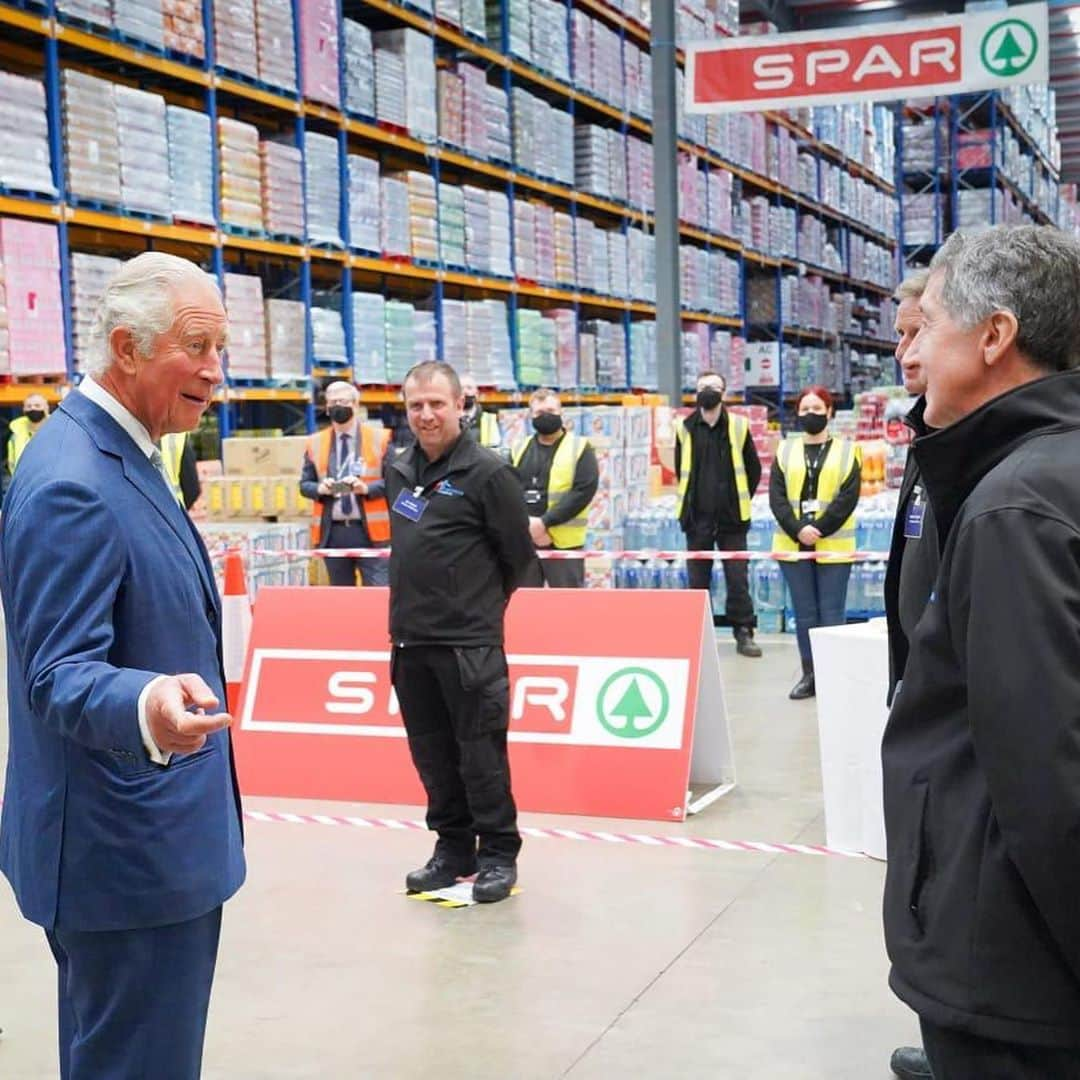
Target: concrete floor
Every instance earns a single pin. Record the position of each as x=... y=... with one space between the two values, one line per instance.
x=615 y=960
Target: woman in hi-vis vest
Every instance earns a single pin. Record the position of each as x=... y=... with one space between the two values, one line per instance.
x=813 y=492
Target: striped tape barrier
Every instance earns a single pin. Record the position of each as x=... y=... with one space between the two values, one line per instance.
x=693 y=843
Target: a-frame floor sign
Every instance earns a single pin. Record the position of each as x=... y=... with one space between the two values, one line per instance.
x=616 y=702
x=712 y=761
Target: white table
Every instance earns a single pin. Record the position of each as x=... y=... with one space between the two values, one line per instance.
x=851 y=672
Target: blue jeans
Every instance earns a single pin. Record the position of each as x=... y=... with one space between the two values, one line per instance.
x=819 y=595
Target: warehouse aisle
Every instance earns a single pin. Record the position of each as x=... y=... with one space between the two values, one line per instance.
x=616 y=960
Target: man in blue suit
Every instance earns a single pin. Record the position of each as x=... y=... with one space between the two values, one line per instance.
x=121 y=830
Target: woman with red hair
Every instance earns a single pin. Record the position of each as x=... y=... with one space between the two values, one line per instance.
x=813 y=492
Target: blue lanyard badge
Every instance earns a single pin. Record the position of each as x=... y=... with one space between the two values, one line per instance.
x=410 y=504
x=913 y=517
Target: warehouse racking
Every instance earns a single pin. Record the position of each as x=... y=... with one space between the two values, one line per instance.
x=769 y=228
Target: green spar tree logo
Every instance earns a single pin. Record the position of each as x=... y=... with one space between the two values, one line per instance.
x=632 y=703
x=1009 y=47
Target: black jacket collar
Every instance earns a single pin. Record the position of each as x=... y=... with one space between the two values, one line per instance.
x=914 y=418
x=953 y=460
x=413 y=459
x=695 y=419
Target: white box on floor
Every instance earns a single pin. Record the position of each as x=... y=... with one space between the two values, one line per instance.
x=851 y=672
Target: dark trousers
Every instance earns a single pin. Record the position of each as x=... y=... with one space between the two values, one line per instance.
x=133 y=1003
x=455 y=706
x=740 y=605
x=958 y=1055
x=819 y=596
x=555 y=573
x=343 y=571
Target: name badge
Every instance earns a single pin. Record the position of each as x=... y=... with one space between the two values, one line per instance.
x=810 y=508
x=533 y=497
x=410 y=505
x=913 y=518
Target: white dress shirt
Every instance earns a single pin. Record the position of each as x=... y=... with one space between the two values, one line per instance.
x=141 y=437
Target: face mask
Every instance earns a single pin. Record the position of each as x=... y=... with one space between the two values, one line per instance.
x=340 y=414
x=470 y=402
x=35 y=416
x=813 y=423
x=709 y=398
x=547 y=423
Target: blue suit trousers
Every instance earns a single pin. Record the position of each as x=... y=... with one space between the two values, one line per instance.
x=133 y=1003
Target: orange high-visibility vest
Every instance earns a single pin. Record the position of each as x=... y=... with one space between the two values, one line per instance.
x=373 y=444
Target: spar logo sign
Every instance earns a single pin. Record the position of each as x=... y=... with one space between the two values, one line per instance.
x=885 y=62
x=632 y=702
x=1009 y=47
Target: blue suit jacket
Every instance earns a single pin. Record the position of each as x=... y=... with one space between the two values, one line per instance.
x=106 y=584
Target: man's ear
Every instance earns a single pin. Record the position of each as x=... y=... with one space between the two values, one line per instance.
x=122 y=346
x=999 y=336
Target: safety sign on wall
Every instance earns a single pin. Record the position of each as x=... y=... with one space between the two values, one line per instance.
x=616 y=702
x=949 y=54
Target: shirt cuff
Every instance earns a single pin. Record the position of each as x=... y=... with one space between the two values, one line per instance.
x=158 y=757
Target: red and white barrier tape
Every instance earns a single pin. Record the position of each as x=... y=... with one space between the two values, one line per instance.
x=713 y=556
x=695 y=843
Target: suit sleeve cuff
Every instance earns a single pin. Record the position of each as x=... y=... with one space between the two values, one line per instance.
x=157 y=756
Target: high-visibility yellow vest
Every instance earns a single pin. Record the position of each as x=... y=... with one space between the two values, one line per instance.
x=172 y=453
x=489 y=430
x=21 y=434
x=738 y=429
x=373 y=444
x=843 y=456
x=571 y=534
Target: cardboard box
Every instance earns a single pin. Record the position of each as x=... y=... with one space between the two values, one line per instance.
x=264 y=456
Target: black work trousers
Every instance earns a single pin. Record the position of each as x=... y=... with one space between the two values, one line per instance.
x=958 y=1055
x=455 y=706
x=343 y=571
x=555 y=573
x=740 y=605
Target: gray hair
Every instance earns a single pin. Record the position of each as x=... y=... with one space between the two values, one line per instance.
x=912 y=287
x=1032 y=271
x=339 y=385
x=141 y=297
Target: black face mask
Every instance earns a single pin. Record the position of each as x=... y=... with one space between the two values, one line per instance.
x=813 y=423
x=547 y=423
x=35 y=416
x=470 y=402
x=340 y=414
x=709 y=398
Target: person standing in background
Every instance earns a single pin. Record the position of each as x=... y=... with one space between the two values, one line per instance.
x=35 y=411
x=482 y=425
x=559 y=476
x=179 y=458
x=813 y=491
x=342 y=474
x=460 y=548
x=718 y=471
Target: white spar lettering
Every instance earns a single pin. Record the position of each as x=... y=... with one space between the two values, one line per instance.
x=353 y=694
x=548 y=692
x=825 y=62
x=773 y=71
x=776 y=71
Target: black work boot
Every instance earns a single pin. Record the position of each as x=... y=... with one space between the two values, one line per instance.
x=440 y=872
x=745 y=645
x=909 y=1063
x=494 y=883
x=804 y=688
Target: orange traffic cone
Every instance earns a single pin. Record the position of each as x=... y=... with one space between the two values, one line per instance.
x=235 y=625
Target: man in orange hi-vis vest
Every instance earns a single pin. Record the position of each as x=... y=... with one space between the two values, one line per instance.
x=342 y=475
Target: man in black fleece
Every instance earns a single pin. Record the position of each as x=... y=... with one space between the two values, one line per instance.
x=981 y=754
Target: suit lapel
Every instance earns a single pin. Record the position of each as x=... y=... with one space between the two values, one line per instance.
x=111 y=439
